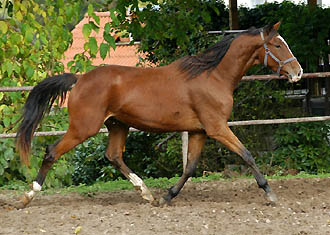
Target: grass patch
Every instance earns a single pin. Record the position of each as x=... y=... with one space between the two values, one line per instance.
x=123 y=184
x=17 y=185
x=301 y=174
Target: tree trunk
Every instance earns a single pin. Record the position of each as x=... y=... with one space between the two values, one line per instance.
x=233 y=15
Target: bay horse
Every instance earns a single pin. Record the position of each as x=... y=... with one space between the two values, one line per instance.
x=194 y=94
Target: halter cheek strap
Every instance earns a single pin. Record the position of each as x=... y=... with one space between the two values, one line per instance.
x=268 y=52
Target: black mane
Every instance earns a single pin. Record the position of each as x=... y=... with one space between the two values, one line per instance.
x=212 y=56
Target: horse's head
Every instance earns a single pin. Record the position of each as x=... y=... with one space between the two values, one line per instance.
x=276 y=54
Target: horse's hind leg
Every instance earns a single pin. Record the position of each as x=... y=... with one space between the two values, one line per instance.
x=74 y=136
x=195 y=144
x=117 y=137
x=227 y=137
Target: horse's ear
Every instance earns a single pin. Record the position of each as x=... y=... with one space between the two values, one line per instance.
x=277 y=25
x=271 y=30
x=272 y=27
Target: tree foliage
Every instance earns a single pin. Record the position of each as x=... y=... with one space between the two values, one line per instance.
x=170 y=29
x=32 y=42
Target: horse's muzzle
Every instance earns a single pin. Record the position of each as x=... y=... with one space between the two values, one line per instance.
x=295 y=77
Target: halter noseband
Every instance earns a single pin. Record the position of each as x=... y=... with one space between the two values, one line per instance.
x=268 y=52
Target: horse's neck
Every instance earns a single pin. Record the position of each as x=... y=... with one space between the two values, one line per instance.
x=240 y=57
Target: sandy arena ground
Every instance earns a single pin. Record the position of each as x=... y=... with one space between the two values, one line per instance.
x=218 y=207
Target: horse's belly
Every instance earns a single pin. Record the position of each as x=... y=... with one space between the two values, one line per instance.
x=161 y=123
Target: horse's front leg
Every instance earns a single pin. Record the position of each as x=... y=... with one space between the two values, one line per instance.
x=195 y=144
x=223 y=134
x=117 y=137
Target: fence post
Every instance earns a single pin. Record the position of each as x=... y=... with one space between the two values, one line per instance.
x=233 y=15
x=184 y=137
x=327 y=83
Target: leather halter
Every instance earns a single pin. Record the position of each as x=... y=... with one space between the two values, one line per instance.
x=281 y=63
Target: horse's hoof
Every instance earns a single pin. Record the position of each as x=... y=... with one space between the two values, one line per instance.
x=22 y=201
x=147 y=196
x=271 y=197
x=164 y=202
x=19 y=205
x=155 y=203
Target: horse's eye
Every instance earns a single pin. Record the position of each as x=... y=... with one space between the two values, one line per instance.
x=277 y=46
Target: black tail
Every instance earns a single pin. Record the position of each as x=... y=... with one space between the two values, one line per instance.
x=39 y=102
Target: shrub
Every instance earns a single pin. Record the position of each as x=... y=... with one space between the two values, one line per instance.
x=140 y=154
x=302 y=146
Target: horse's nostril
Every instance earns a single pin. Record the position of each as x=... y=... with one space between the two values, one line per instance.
x=300 y=73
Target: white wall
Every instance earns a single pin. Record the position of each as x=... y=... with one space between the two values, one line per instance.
x=253 y=3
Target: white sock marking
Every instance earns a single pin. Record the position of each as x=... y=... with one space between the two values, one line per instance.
x=36 y=186
x=30 y=194
x=135 y=180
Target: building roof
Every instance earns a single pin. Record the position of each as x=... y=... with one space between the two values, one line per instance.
x=123 y=55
